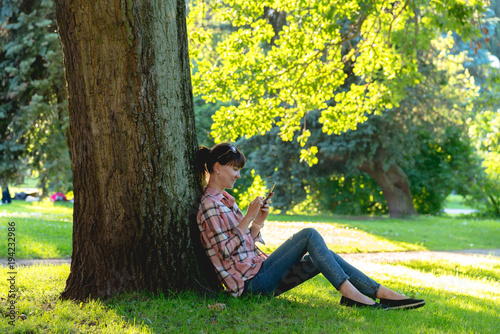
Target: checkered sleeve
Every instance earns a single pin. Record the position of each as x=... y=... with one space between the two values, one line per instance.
x=260 y=239
x=259 y=236
x=223 y=236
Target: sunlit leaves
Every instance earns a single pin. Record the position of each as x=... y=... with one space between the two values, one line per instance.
x=485 y=130
x=276 y=61
x=309 y=155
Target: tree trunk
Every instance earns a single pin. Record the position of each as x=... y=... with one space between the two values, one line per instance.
x=395 y=186
x=133 y=144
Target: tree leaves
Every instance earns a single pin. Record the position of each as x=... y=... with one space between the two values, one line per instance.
x=277 y=79
x=33 y=104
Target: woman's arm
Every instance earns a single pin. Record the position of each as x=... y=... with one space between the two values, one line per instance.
x=259 y=221
x=253 y=212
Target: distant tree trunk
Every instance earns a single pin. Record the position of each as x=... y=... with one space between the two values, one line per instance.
x=395 y=186
x=133 y=144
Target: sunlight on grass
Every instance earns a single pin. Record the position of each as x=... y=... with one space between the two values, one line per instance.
x=461 y=303
x=485 y=285
x=484 y=288
x=456 y=303
x=39 y=288
x=384 y=235
x=342 y=238
x=33 y=249
x=43 y=229
x=415 y=282
x=50 y=223
x=44 y=207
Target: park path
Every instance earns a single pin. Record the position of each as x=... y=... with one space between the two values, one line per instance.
x=278 y=232
x=354 y=257
x=420 y=255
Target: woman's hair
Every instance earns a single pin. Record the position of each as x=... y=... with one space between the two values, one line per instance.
x=223 y=153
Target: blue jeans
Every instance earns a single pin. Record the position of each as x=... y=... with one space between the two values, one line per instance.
x=289 y=266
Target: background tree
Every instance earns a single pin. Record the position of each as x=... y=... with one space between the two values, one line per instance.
x=344 y=60
x=485 y=133
x=33 y=109
x=492 y=29
x=482 y=62
x=133 y=146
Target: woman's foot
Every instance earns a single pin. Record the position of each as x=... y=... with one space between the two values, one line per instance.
x=386 y=293
x=351 y=293
x=402 y=304
x=397 y=301
x=344 y=301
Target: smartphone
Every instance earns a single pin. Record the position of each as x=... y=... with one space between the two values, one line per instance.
x=269 y=193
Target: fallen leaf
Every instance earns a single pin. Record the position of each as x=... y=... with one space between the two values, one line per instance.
x=217 y=307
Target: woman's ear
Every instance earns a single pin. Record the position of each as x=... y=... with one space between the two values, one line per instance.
x=216 y=167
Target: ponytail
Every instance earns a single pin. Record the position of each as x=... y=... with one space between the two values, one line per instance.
x=202 y=159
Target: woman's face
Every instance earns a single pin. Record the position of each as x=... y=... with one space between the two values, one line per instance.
x=228 y=175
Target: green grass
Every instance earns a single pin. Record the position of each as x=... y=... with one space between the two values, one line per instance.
x=461 y=298
x=384 y=234
x=44 y=230
x=455 y=202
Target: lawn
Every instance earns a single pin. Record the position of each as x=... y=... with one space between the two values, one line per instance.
x=456 y=202
x=462 y=297
x=44 y=229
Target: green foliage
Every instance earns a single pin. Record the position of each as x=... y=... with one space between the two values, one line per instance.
x=278 y=73
x=454 y=201
x=354 y=194
x=257 y=188
x=203 y=114
x=485 y=131
x=33 y=103
x=292 y=72
x=493 y=32
x=423 y=136
x=440 y=167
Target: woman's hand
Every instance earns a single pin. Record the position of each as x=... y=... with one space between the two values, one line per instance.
x=257 y=212
x=263 y=212
x=254 y=208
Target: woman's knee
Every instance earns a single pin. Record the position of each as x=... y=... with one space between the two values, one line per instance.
x=311 y=233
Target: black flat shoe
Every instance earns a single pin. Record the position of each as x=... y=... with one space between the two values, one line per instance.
x=403 y=304
x=352 y=303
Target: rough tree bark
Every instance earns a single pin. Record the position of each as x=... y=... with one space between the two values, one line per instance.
x=395 y=186
x=133 y=143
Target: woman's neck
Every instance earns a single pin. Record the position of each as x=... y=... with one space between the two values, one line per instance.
x=214 y=185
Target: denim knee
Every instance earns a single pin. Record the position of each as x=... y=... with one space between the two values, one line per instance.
x=311 y=233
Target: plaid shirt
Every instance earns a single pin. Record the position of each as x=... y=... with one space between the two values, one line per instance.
x=232 y=251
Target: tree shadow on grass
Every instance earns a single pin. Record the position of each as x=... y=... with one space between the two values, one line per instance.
x=444 y=312
x=457 y=304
